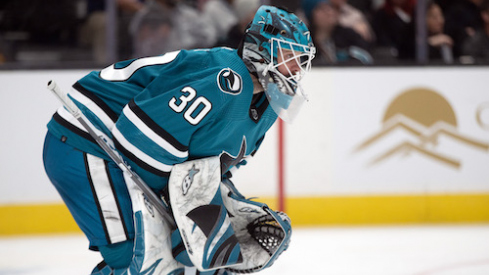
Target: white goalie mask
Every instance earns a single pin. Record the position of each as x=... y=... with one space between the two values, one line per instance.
x=278 y=48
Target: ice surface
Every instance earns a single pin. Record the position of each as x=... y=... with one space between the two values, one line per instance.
x=393 y=250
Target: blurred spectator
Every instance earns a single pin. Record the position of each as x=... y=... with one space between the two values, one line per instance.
x=32 y=30
x=220 y=16
x=127 y=10
x=439 y=44
x=364 y=6
x=41 y=21
x=463 y=18
x=334 y=43
x=477 y=45
x=152 y=30
x=3 y=51
x=93 y=30
x=245 y=11
x=165 y=25
x=291 y=5
x=351 y=17
x=444 y=4
x=130 y=6
x=391 y=22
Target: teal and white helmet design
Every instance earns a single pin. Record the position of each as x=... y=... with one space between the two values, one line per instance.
x=278 y=47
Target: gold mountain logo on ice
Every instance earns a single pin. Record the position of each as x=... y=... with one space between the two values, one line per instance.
x=427 y=116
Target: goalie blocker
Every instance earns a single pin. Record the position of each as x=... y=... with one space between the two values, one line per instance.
x=218 y=228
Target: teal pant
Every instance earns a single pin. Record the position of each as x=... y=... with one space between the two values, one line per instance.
x=95 y=192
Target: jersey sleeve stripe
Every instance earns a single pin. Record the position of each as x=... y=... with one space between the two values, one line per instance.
x=123 y=74
x=144 y=118
x=75 y=126
x=148 y=132
x=68 y=125
x=139 y=156
x=94 y=108
x=70 y=119
x=96 y=101
x=137 y=161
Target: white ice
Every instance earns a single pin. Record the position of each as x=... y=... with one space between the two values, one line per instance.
x=393 y=250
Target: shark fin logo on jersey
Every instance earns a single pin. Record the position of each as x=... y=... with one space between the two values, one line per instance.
x=228 y=160
x=229 y=81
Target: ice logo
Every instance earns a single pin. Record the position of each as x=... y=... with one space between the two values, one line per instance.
x=229 y=81
x=189 y=178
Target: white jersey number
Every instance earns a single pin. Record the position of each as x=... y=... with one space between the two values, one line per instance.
x=195 y=112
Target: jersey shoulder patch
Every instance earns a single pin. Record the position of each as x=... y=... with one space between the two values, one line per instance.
x=229 y=81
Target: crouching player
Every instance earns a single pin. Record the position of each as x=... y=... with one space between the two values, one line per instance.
x=182 y=121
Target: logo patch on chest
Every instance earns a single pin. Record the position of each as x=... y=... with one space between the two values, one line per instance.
x=229 y=81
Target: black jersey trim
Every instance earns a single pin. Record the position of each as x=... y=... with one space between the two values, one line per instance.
x=110 y=113
x=60 y=120
x=259 y=105
x=138 y=161
x=155 y=127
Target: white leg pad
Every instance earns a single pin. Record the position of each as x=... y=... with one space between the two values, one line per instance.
x=152 y=246
x=201 y=216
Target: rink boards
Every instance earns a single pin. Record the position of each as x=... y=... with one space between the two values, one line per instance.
x=372 y=146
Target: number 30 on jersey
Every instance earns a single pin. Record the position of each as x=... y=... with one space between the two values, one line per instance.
x=198 y=107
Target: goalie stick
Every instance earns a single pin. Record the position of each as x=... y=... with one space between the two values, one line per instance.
x=105 y=143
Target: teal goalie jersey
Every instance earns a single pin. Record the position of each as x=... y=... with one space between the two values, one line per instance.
x=167 y=109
